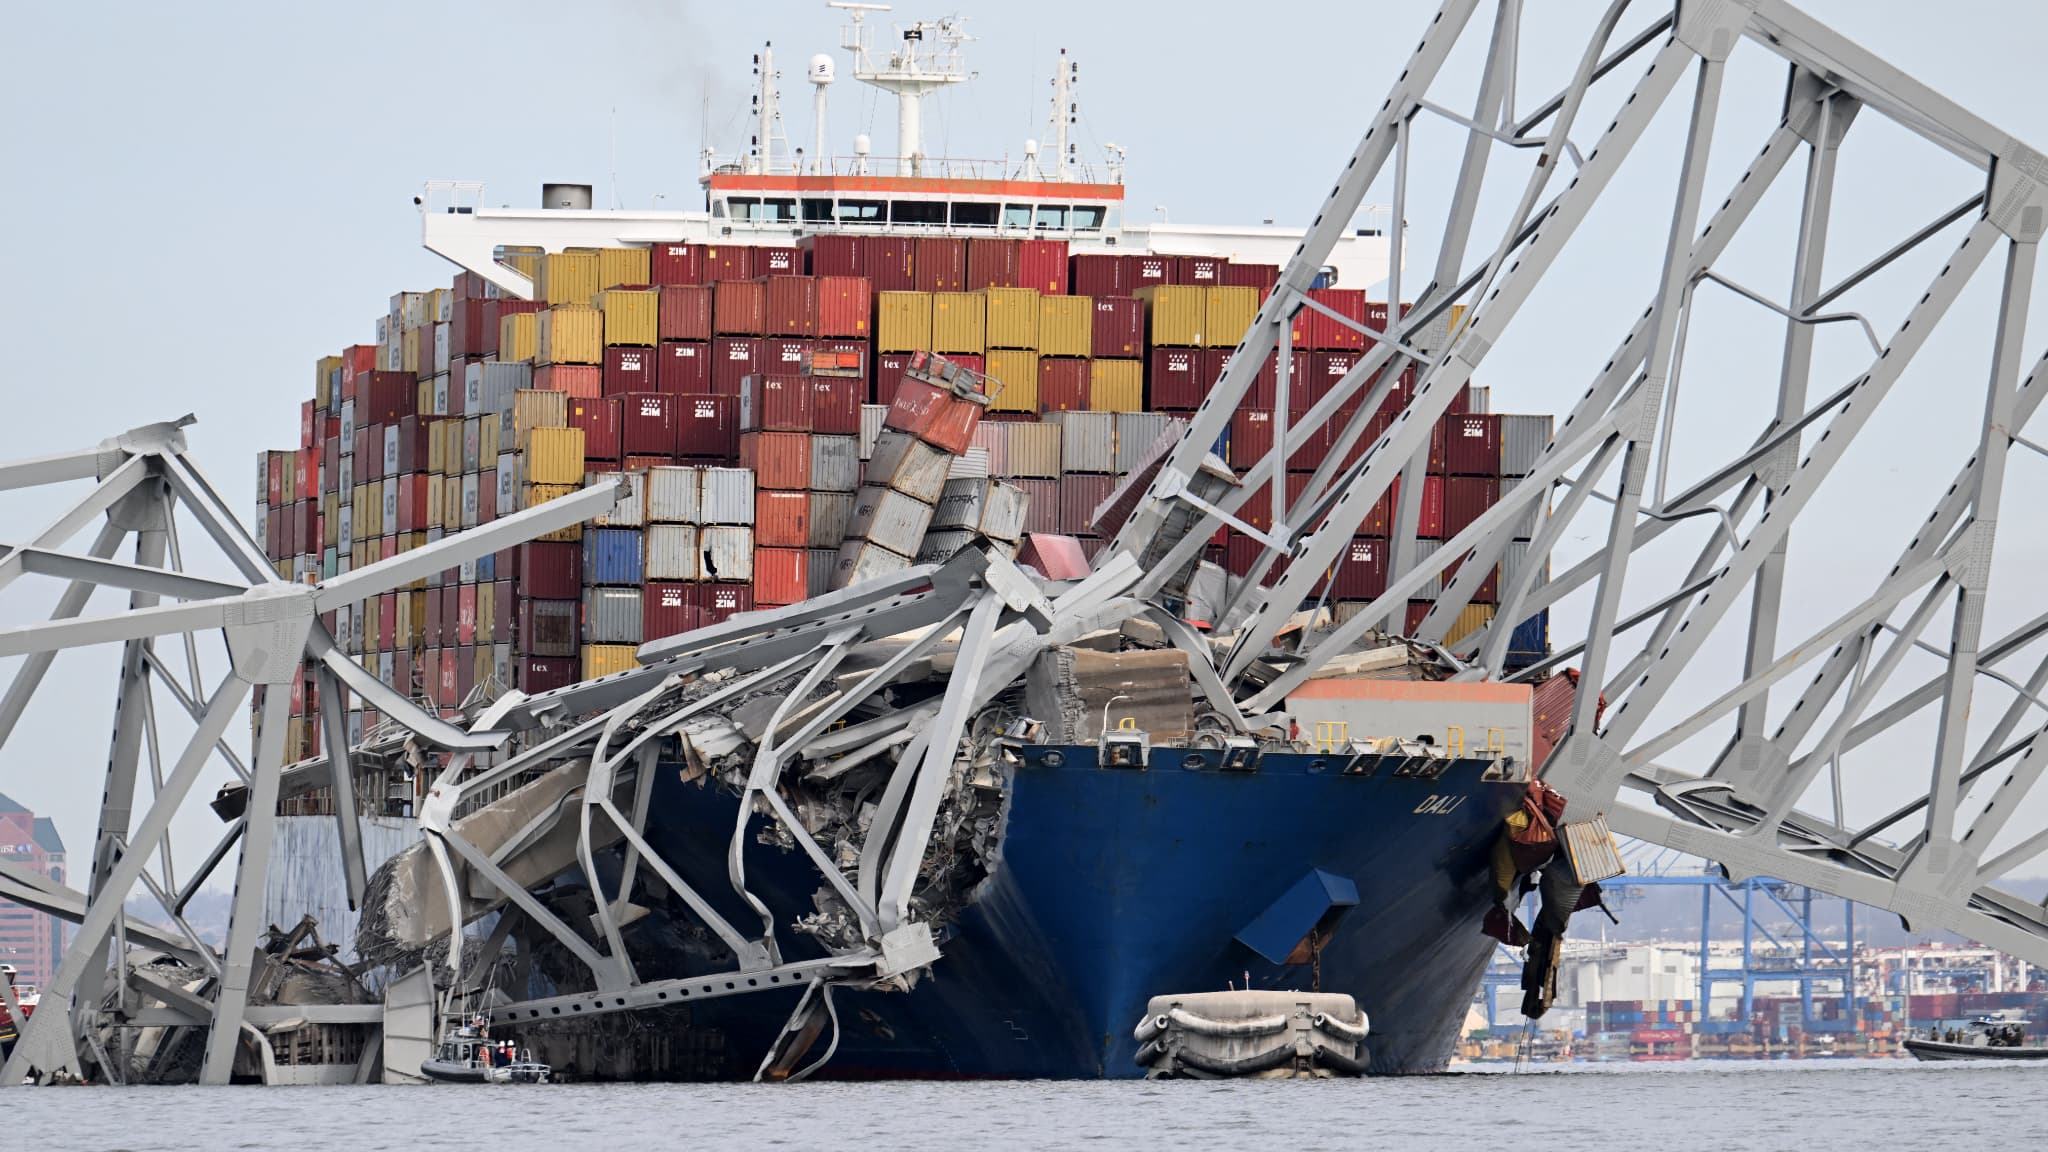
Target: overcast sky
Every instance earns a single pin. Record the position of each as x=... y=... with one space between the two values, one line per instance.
x=206 y=198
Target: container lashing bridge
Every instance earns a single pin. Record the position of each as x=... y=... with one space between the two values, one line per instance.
x=1645 y=632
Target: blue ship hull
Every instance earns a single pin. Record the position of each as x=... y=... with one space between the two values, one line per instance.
x=1115 y=885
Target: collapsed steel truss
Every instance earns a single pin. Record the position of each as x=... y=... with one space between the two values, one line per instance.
x=144 y=484
x=1741 y=810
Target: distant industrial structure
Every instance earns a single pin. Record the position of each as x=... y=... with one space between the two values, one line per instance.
x=31 y=941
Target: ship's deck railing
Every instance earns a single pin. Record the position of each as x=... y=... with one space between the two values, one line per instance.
x=924 y=167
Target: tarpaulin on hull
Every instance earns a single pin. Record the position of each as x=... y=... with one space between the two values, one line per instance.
x=1068 y=689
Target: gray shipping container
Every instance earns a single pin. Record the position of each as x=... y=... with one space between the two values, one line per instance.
x=1135 y=431
x=469 y=499
x=391 y=450
x=831 y=514
x=871 y=416
x=728 y=496
x=1087 y=441
x=1032 y=450
x=510 y=476
x=939 y=547
x=909 y=465
x=348 y=427
x=488 y=386
x=1522 y=441
x=991 y=438
x=611 y=615
x=1479 y=401
x=672 y=496
x=672 y=552
x=835 y=464
x=989 y=507
x=971 y=464
x=728 y=553
x=1525 y=526
x=890 y=518
x=347 y=471
x=629 y=512
x=1424 y=549
x=818 y=573
x=1513 y=559
x=472 y=441
x=345 y=530
x=859 y=560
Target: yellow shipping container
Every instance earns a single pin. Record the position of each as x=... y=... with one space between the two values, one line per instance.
x=1472 y=619
x=903 y=322
x=451 y=501
x=554 y=456
x=1457 y=318
x=531 y=495
x=1116 y=386
x=526 y=263
x=517 y=335
x=959 y=323
x=436 y=485
x=437 y=306
x=373 y=508
x=324 y=381
x=567 y=277
x=569 y=334
x=423 y=395
x=631 y=316
x=1012 y=317
x=605 y=659
x=1017 y=371
x=624 y=266
x=402 y=631
x=1175 y=314
x=409 y=351
x=330 y=519
x=1066 y=325
x=1229 y=313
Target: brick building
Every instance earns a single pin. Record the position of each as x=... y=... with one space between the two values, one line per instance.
x=30 y=940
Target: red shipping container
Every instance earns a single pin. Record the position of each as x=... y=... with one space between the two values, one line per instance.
x=1062 y=384
x=465 y=614
x=1146 y=272
x=991 y=264
x=412 y=504
x=1080 y=496
x=844 y=306
x=739 y=307
x=886 y=262
x=725 y=262
x=792 y=306
x=1119 y=332
x=940 y=264
x=707 y=427
x=889 y=368
x=1361 y=571
x=1042 y=264
x=600 y=422
x=1099 y=275
x=721 y=602
x=430 y=628
x=647 y=424
x=832 y=255
x=1042 y=505
x=1317 y=331
x=777 y=402
x=537 y=674
x=474 y=329
x=781 y=575
x=1198 y=271
x=1488 y=591
x=667 y=609
x=733 y=359
x=683 y=369
x=1417 y=609
x=1265 y=391
x=273 y=479
x=1472 y=445
x=779 y=459
x=676 y=264
x=487 y=496
x=575 y=379
x=782 y=519
x=549 y=570
x=1326 y=369
x=641 y=463
x=858 y=349
x=685 y=312
x=356 y=360
x=1251 y=436
x=1260 y=276
x=1465 y=499
x=502 y=607
x=449 y=597
x=778 y=261
x=1242 y=553
x=933 y=415
x=835 y=404
x=786 y=357
x=1178 y=383
x=972 y=361
x=388 y=397
x=629 y=370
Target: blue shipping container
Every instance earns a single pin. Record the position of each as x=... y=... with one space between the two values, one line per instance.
x=1530 y=641
x=612 y=556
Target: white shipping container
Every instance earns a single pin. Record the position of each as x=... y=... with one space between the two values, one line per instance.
x=1087 y=441
x=1525 y=525
x=969 y=465
x=629 y=512
x=727 y=496
x=835 y=463
x=939 y=547
x=1032 y=451
x=890 y=518
x=391 y=507
x=860 y=560
x=819 y=563
x=674 y=495
x=989 y=507
x=910 y=466
x=345 y=536
x=990 y=438
x=346 y=473
x=344 y=625
x=1513 y=559
x=728 y=553
x=488 y=386
x=831 y=514
x=672 y=552
x=348 y=427
x=472 y=442
x=871 y=417
x=1522 y=441
x=391 y=450
x=511 y=478
x=611 y=615
x=1424 y=549
x=441 y=394
x=440 y=348
x=1479 y=401
x=469 y=501
x=1137 y=432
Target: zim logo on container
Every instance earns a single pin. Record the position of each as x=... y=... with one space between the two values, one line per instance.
x=650 y=407
x=739 y=352
x=1438 y=805
x=706 y=410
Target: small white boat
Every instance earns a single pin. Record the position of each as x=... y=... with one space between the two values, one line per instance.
x=468 y=1055
x=1985 y=1038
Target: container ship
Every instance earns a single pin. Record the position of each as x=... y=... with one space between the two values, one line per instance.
x=739 y=363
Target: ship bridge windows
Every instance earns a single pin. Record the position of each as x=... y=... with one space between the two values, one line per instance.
x=1088 y=217
x=1052 y=217
x=760 y=210
x=917 y=211
x=862 y=212
x=817 y=211
x=1016 y=215
x=976 y=215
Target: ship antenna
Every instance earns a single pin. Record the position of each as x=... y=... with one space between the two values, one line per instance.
x=926 y=60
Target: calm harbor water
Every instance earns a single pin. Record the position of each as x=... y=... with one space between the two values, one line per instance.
x=1721 y=1107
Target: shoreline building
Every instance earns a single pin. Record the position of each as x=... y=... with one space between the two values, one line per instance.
x=31 y=941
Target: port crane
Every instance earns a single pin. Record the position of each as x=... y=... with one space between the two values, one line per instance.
x=1935 y=853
